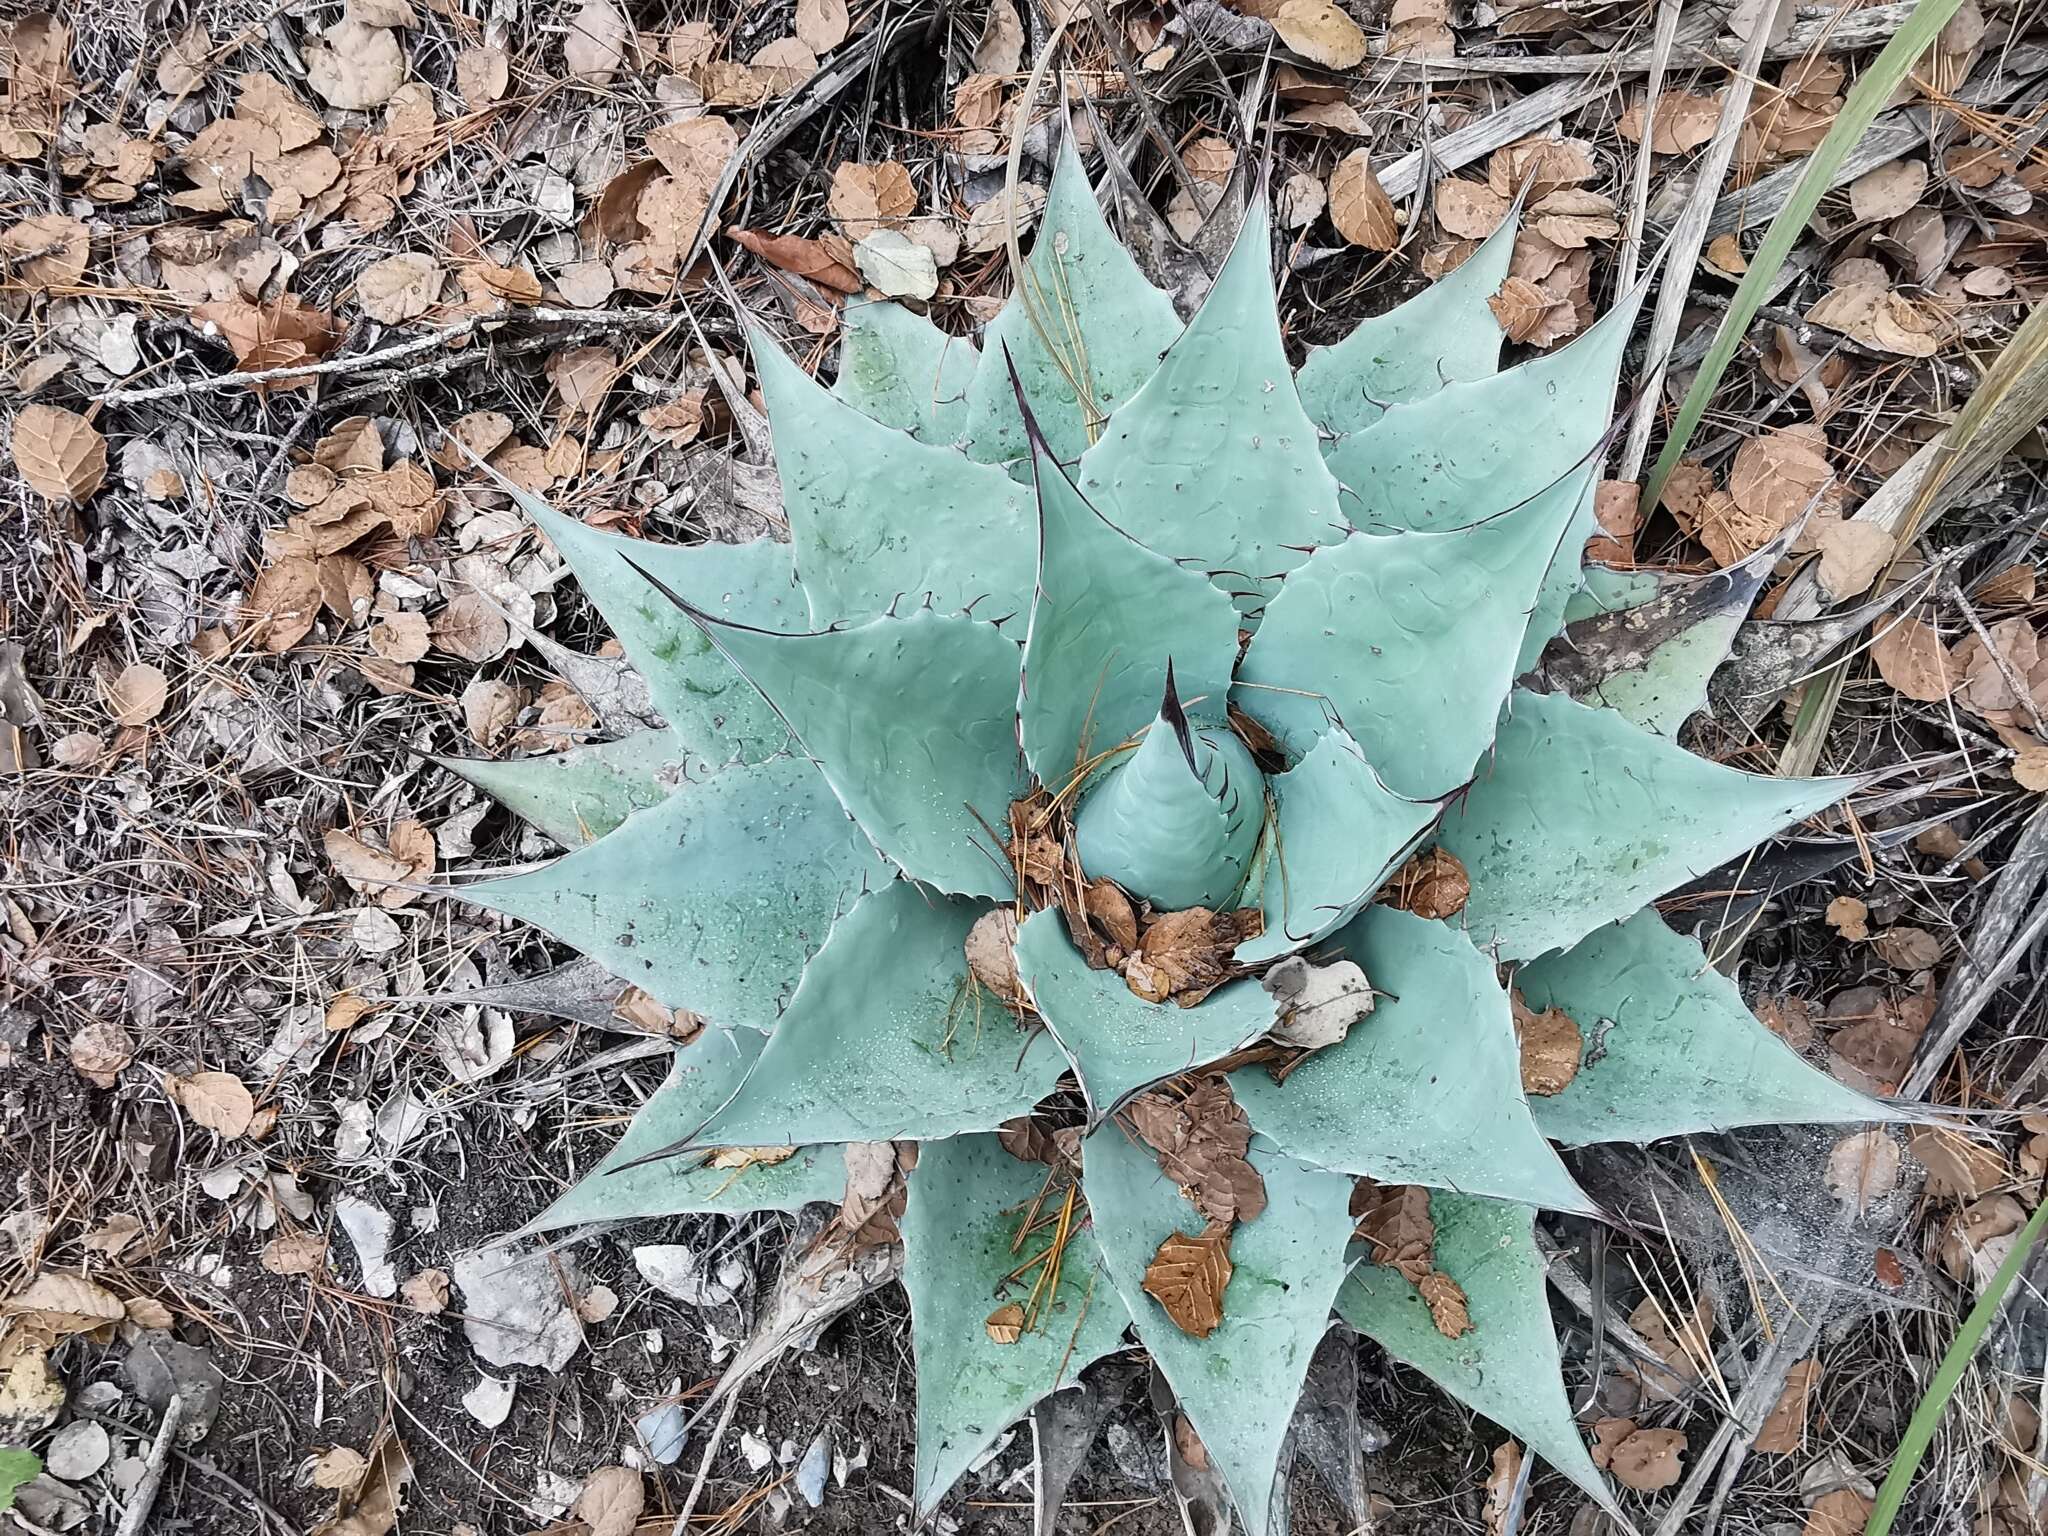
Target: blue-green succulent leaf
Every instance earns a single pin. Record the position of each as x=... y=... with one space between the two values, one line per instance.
x=1109 y=324
x=1410 y=638
x=1607 y=590
x=877 y=518
x=580 y=793
x=1580 y=818
x=913 y=721
x=704 y=1074
x=1107 y=616
x=1340 y=833
x=1475 y=448
x=710 y=707
x=888 y=1038
x=711 y=900
x=1427 y=1089
x=1670 y=1047
x=1443 y=335
x=967 y=1199
x=1506 y=1367
x=1176 y=821
x=902 y=370
x=1214 y=461
x=1238 y=1385
x=1118 y=1042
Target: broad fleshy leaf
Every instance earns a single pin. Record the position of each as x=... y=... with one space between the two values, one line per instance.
x=1671 y=1048
x=967 y=1199
x=1340 y=833
x=1238 y=1385
x=1506 y=1367
x=713 y=899
x=710 y=708
x=1107 y=617
x=1176 y=821
x=1427 y=1089
x=902 y=370
x=580 y=793
x=913 y=721
x=1118 y=1042
x=1392 y=631
x=879 y=520
x=888 y=1038
x=1108 y=324
x=1443 y=335
x=1214 y=461
x=1580 y=818
x=702 y=1076
x=1475 y=448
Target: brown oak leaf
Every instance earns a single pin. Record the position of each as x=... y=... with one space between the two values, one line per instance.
x=1201 y=1141
x=1188 y=1275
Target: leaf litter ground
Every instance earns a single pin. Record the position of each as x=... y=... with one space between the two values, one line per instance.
x=234 y=616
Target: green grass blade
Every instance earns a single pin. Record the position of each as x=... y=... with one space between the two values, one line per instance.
x=1947 y=1376
x=1875 y=87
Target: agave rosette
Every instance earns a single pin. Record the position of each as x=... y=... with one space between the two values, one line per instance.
x=995 y=557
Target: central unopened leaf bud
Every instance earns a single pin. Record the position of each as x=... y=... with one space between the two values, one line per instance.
x=1176 y=821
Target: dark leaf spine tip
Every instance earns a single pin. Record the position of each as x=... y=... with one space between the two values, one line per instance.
x=1171 y=712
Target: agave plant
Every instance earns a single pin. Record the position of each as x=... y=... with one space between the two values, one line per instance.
x=1171 y=657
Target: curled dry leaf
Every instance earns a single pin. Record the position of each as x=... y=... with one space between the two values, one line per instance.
x=1005 y=1325
x=1551 y=1045
x=399 y=288
x=1186 y=955
x=1395 y=1220
x=813 y=259
x=1447 y=1304
x=58 y=452
x=1188 y=1276
x=1359 y=205
x=1682 y=1344
x=992 y=953
x=1319 y=32
x=1648 y=1459
x=482 y=75
x=1001 y=48
x=137 y=696
x=1957 y=1168
x=1201 y=1141
x=1879 y=318
x=988 y=226
x=99 y=1051
x=1863 y=1168
x=1849 y=916
x=1300 y=201
x=339 y=1467
x=1911 y=657
x=218 y=1101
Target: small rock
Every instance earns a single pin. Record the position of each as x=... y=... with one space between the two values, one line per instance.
x=77 y=1451
x=664 y=1431
x=490 y=1401
x=811 y=1471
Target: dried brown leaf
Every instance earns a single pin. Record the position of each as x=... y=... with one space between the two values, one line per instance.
x=1911 y=657
x=1551 y=1044
x=355 y=66
x=1683 y=121
x=807 y=258
x=218 y=1101
x=1648 y=1459
x=1843 y=1512
x=1889 y=190
x=399 y=288
x=1201 y=1141
x=1785 y=1426
x=1447 y=1305
x=58 y=452
x=137 y=696
x=611 y=1501
x=1359 y=205
x=1471 y=210
x=1188 y=1276
x=1320 y=32
x=865 y=198
x=1957 y=1169
x=1862 y=1168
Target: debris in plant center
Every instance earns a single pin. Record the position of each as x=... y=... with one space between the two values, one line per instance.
x=1236 y=912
